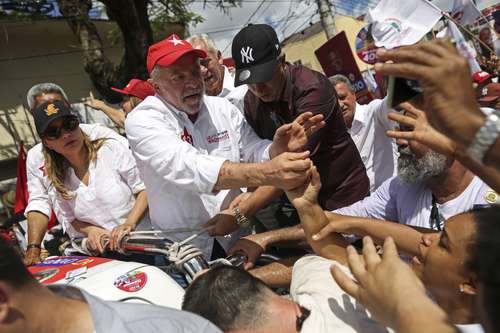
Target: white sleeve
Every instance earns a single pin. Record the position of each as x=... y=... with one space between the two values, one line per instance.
x=38 y=196
x=382 y=112
x=379 y=205
x=126 y=166
x=159 y=151
x=252 y=148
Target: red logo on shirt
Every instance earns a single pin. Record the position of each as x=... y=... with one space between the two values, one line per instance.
x=221 y=136
x=185 y=136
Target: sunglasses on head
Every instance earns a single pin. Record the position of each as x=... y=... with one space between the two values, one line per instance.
x=69 y=124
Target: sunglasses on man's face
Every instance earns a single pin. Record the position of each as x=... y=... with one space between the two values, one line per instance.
x=302 y=318
x=69 y=124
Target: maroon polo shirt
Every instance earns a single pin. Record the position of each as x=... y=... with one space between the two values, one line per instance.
x=343 y=175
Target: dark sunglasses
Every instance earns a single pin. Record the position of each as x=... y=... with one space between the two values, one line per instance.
x=69 y=124
x=302 y=318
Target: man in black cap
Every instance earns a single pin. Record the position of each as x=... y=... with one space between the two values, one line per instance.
x=278 y=93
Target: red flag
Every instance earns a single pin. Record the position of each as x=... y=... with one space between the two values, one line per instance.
x=22 y=182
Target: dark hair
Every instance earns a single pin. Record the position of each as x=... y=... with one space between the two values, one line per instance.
x=229 y=297
x=12 y=269
x=485 y=260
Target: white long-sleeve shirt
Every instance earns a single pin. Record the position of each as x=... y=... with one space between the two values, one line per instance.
x=38 y=183
x=108 y=197
x=378 y=152
x=179 y=160
x=235 y=95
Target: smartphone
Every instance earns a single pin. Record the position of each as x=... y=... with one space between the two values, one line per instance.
x=400 y=90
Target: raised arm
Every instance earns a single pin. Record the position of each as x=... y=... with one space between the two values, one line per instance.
x=313 y=219
x=406 y=237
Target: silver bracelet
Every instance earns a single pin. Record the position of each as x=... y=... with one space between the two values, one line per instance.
x=485 y=137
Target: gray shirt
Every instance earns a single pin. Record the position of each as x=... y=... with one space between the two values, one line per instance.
x=111 y=317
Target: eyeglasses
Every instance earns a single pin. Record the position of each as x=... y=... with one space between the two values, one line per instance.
x=302 y=318
x=69 y=125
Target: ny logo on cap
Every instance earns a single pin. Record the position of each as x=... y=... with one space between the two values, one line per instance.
x=51 y=109
x=246 y=55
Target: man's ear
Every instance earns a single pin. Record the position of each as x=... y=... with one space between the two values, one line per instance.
x=155 y=86
x=4 y=304
x=469 y=287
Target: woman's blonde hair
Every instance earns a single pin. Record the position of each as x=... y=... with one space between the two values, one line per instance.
x=56 y=165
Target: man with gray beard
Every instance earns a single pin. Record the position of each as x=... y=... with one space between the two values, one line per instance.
x=429 y=189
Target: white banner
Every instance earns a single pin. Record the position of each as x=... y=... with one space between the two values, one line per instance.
x=463 y=47
x=396 y=23
x=464 y=11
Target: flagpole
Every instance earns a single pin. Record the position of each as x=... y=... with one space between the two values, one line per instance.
x=446 y=15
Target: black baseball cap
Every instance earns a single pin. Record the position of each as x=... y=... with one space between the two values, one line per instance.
x=255 y=52
x=48 y=112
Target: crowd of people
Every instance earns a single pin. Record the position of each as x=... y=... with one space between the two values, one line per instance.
x=384 y=219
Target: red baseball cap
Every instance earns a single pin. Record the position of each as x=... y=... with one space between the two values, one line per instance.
x=167 y=52
x=138 y=88
x=480 y=77
x=490 y=93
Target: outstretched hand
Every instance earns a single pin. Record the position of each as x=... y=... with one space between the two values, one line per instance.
x=293 y=137
x=94 y=103
x=450 y=101
x=224 y=223
x=421 y=130
x=385 y=286
x=306 y=194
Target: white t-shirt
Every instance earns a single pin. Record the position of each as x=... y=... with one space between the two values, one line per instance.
x=180 y=160
x=332 y=310
x=38 y=183
x=471 y=328
x=108 y=197
x=412 y=203
x=236 y=95
x=378 y=152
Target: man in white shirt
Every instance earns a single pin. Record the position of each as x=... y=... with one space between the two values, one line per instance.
x=219 y=81
x=188 y=147
x=367 y=125
x=40 y=206
x=236 y=301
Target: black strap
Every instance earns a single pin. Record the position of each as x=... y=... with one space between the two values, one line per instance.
x=435 y=218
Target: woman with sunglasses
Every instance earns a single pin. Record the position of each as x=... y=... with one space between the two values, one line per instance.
x=95 y=185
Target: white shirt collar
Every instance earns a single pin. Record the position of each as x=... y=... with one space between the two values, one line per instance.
x=227 y=83
x=359 y=119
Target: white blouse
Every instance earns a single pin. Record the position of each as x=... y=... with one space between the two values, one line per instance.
x=109 y=196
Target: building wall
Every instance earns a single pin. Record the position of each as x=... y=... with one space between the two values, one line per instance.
x=304 y=50
x=32 y=52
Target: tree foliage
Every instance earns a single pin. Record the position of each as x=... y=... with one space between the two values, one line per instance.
x=140 y=23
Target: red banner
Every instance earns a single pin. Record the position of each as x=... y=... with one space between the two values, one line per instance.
x=335 y=57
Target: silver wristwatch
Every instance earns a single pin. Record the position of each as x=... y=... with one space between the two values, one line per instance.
x=485 y=137
x=241 y=219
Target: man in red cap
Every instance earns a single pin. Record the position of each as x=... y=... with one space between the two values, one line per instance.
x=189 y=148
x=135 y=91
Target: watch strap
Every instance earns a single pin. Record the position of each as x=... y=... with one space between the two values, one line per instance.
x=485 y=137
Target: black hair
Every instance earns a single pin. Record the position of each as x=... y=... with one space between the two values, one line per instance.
x=12 y=269
x=485 y=261
x=229 y=297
